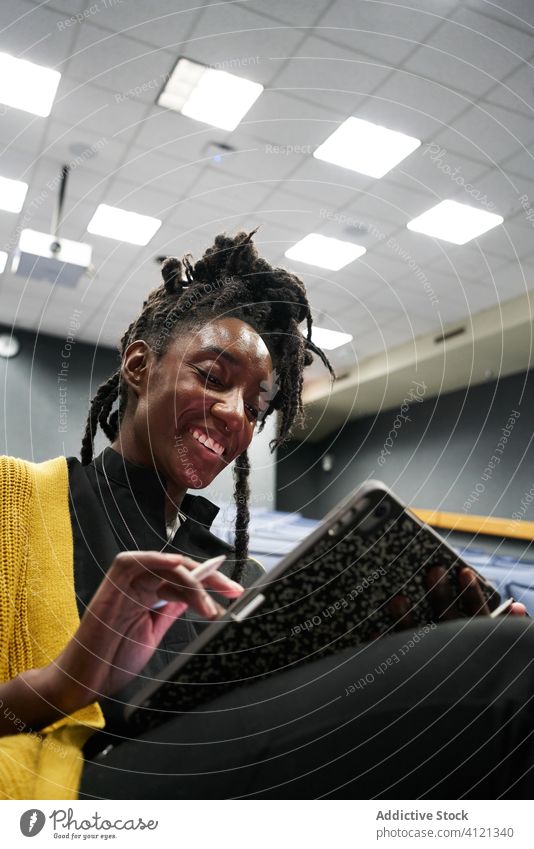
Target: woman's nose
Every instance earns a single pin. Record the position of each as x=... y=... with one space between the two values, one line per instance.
x=231 y=411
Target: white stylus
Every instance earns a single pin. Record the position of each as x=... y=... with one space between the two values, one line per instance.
x=201 y=572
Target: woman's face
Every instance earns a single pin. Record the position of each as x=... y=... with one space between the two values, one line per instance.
x=197 y=405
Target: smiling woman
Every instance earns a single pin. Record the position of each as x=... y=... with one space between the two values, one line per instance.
x=99 y=591
x=116 y=542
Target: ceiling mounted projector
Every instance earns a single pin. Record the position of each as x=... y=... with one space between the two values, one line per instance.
x=49 y=257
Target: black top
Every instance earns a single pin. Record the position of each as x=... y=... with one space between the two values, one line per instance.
x=118 y=506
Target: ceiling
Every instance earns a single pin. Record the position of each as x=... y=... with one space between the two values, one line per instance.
x=457 y=75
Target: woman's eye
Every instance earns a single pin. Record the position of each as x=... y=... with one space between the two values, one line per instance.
x=253 y=411
x=210 y=378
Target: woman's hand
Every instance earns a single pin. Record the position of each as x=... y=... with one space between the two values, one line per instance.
x=445 y=603
x=473 y=600
x=120 y=631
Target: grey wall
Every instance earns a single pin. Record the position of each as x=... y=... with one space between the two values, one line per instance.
x=33 y=386
x=440 y=454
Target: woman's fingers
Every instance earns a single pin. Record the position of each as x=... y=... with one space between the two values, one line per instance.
x=473 y=599
x=440 y=593
x=180 y=585
x=223 y=585
x=401 y=612
x=444 y=600
x=216 y=581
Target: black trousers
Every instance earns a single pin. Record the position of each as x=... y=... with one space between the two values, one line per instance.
x=448 y=714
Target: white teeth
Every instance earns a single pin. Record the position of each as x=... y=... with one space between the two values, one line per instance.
x=210 y=443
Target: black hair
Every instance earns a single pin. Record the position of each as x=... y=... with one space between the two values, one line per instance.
x=230 y=279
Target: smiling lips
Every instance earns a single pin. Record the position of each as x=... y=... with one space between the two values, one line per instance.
x=208 y=442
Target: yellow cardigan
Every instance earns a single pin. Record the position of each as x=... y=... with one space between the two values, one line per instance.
x=38 y=616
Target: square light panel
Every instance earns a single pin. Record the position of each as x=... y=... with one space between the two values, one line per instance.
x=325 y=252
x=115 y=223
x=27 y=86
x=12 y=194
x=329 y=340
x=208 y=95
x=454 y=222
x=366 y=148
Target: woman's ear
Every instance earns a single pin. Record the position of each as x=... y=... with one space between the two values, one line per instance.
x=135 y=365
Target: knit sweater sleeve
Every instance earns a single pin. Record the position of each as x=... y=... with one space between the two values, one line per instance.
x=38 y=616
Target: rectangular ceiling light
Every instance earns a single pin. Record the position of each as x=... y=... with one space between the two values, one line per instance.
x=325 y=252
x=208 y=95
x=12 y=194
x=330 y=339
x=27 y=86
x=366 y=148
x=454 y=222
x=115 y=223
x=3 y=260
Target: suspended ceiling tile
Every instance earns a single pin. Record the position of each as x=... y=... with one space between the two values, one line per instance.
x=516 y=13
x=382 y=31
x=159 y=24
x=82 y=184
x=95 y=151
x=253 y=158
x=514 y=239
x=21 y=131
x=230 y=37
x=494 y=131
x=36 y=33
x=467 y=262
x=497 y=45
x=521 y=165
x=140 y=198
x=280 y=119
x=515 y=92
x=118 y=63
x=17 y=164
x=296 y=14
x=326 y=185
x=512 y=280
x=156 y=172
x=394 y=203
x=412 y=251
x=176 y=136
x=193 y=216
x=469 y=141
x=227 y=191
x=412 y=104
x=340 y=296
x=328 y=75
x=502 y=191
x=470 y=52
x=441 y=175
x=97 y=109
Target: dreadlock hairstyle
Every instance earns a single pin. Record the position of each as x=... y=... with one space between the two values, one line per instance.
x=229 y=280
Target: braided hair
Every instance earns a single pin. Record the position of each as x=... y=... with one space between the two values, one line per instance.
x=230 y=279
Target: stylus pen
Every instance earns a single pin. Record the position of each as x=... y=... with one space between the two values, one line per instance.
x=201 y=572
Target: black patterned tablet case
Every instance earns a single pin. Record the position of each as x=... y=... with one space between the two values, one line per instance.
x=332 y=595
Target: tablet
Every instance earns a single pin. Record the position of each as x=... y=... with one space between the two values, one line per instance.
x=329 y=593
